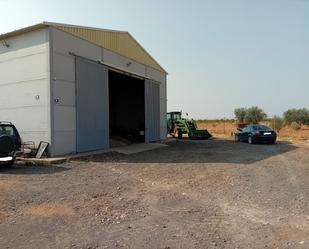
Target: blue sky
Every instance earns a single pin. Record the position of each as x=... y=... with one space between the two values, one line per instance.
x=220 y=54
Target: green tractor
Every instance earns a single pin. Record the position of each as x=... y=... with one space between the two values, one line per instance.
x=177 y=126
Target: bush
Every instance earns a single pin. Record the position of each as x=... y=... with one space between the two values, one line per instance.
x=295 y=126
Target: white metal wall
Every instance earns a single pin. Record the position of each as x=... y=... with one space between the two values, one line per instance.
x=63 y=85
x=24 y=85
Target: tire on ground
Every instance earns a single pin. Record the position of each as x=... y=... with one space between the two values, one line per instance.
x=178 y=133
x=6 y=145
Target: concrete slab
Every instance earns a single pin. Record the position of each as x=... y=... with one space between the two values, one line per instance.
x=137 y=148
x=127 y=150
x=85 y=154
x=43 y=161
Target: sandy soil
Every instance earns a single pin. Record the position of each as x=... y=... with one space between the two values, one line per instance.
x=191 y=194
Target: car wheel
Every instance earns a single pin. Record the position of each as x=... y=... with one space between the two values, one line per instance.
x=237 y=138
x=250 y=140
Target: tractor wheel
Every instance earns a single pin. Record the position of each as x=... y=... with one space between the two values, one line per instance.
x=178 y=133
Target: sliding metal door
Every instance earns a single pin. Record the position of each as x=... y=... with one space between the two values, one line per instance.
x=92 y=106
x=152 y=111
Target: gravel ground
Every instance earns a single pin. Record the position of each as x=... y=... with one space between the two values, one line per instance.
x=191 y=194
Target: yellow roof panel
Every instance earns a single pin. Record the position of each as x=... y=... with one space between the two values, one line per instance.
x=120 y=42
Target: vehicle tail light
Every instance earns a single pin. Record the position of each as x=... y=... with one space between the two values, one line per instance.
x=257 y=133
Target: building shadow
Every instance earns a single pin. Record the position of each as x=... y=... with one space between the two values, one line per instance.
x=22 y=169
x=200 y=151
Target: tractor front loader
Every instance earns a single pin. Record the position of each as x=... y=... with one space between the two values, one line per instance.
x=177 y=126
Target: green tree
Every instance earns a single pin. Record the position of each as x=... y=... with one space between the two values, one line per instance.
x=303 y=116
x=290 y=116
x=277 y=123
x=300 y=116
x=255 y=115
x=240 y=114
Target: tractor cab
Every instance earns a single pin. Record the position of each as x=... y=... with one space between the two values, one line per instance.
x=171 y=120
x=173 y=115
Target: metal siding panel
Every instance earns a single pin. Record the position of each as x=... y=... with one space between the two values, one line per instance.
x=157 y=111
x=22 y=42
x=23 y=31
x=26 y=68
x=155 y=75
x=118 y=61
x=64 y=118
x=147 y=122
x=92 y=106
x=163 y=110
x=63 y=67
x=64 y=92
x=64 y=142
x=24 y=84
x=152 y=111
x=64 y=130
x=64 y=43
x=64 y=87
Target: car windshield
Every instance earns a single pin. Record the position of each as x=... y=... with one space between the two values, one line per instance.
x=261 y=128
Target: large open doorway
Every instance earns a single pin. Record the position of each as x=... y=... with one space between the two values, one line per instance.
x=126 y=109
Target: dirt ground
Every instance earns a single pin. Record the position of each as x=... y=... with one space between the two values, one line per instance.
x=191 y=194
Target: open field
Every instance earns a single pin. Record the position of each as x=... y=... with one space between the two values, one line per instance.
x=191 y=194
x=228 y=128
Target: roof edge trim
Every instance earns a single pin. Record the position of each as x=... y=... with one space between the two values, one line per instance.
x=55 y=24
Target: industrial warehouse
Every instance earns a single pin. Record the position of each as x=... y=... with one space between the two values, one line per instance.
x=94 y=155
x=78 y=87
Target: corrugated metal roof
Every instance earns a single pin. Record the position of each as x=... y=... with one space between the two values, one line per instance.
x=121 y=42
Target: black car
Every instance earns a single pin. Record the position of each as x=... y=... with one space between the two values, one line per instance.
x=255 y=133
x=10 y=143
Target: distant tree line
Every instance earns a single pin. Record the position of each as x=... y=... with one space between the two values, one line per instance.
x=219 y=120
x=292 y=117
